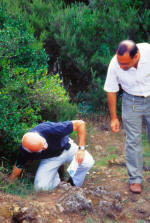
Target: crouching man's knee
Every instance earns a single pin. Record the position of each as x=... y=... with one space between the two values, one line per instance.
x=45 y=186
x=88 y=161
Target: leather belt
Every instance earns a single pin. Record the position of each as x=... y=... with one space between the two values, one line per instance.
x=141 y=96
x=137 y=95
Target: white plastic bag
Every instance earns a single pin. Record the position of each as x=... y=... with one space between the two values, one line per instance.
x=73 y=167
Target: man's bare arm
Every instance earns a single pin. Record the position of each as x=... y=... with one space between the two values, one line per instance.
x=112 y=104
x=80 y=127
x=15 y=173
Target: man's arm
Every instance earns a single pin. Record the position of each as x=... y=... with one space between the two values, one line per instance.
x=19 y=165
x=112 y=104
x=80 y=127
x=15 y=173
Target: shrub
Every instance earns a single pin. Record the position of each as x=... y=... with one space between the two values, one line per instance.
x=28 y=94
x=51 y=96
x=22 y=62
x=17 y=113
x=84 y=37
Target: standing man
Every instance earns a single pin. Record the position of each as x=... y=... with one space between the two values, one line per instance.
x=130 y=68
x=50 y=143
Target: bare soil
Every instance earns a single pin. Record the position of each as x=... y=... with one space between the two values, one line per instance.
x=111 y=175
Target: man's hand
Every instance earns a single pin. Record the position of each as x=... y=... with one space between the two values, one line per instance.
x=115 y=125
x=80 y=156
x=15 y=173
x=112 y=103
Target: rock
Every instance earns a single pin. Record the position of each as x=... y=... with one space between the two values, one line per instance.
x=5 y=211
x=148 y=179
x=101 y=190
x=75 y=201
x=141 y=201
x=105 y=204
x=118 y=206
x=118 y=196
x=109 y=213
x=60 y=220
x=98 y=148
x=64 y=186
x=141 y=211
x=2 y=219
x=133 y=198
x=60 y=208
x=26 y=215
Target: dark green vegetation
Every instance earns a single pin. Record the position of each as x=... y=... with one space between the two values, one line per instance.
x=74 y=39
x=28 y=94
x=81 y=37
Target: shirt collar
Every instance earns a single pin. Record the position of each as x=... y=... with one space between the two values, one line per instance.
x=143 y=58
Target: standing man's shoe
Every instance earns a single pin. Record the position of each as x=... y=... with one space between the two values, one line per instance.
x=135 y=188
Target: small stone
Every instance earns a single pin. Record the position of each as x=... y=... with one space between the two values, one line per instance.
x=133 y=199
x=60 y=207
x=24 y=209
x=141 y=211
x=148 y=179
x=2 y=219
x=118 y=207
x=98 y=148
x=46 y=213
x=16 y=209
x=141 y=201
x=105 y=203
x=100 y=190
x=118 y=196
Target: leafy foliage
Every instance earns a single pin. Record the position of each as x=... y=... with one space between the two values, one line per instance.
x=84 y=37
x=53 y=100
x=23 y=67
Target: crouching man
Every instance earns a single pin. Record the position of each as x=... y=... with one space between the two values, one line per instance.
x=49 y=142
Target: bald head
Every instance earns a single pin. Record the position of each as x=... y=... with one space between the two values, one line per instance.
x=127 y=54
x=33 y=142
x=127 y=46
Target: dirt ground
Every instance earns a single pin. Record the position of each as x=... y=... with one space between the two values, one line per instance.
x=108 y=172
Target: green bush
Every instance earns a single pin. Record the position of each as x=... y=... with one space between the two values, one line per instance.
x=93 y=100
x=36 y=12
x=85 y=37
x=53 y=100
x=27 y=92
x=88 y=37
x=17 y=113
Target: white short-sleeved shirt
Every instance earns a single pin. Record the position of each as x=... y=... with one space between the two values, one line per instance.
x=133 y=81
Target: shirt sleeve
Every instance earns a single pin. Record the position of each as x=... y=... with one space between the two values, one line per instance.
x=111 y=83
x=21 y=159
